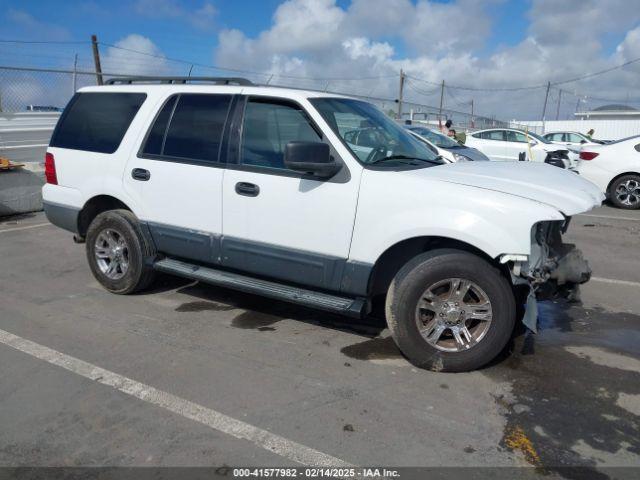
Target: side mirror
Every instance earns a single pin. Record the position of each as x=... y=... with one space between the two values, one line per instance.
x=583 y=141
x=310 y=157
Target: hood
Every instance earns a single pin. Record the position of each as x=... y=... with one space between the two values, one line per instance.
x=561 y=189
x=472 y=153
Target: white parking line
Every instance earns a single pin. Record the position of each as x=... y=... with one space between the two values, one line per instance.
x=206 y=416
x=616 y=282
x=609 y=217
x=25 y=227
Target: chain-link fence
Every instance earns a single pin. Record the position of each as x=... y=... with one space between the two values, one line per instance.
x=38 y=89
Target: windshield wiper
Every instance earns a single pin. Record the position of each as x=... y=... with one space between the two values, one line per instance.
x=406 y=157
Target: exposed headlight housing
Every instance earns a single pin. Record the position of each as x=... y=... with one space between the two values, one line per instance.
x=461 y=158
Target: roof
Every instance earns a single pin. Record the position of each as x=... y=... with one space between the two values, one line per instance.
x=286 y=92
x=503 y=128
x=562 y=131
x=614 y=107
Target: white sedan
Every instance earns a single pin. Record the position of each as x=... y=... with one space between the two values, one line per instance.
x=575 y=140
x=615 y=168
x=509 y=144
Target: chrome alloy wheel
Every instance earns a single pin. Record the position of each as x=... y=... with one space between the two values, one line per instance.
x=628 y=193
x=453 y=315
x=112 y=253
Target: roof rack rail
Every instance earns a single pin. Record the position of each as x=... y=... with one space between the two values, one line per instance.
x=180 y=80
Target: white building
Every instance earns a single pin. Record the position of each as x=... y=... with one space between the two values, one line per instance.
x=610 y=122
x=610 y=112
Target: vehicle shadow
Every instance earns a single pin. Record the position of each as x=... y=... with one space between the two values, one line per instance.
x=261 y=313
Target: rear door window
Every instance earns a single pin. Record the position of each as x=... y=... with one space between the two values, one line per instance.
x=196 y=127
x=515 y=137
x=493 y=135
x=96 y=121
x=155 y=139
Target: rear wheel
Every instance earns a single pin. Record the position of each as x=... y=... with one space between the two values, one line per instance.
x=624 y=192
x=450 y=310
x=119 y=253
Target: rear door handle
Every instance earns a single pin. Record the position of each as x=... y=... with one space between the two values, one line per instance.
x=140 y=174
x=247 y=189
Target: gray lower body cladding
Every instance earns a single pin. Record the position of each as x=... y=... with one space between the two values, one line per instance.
x=62 y=216
x=343 y=305
x=310 y=269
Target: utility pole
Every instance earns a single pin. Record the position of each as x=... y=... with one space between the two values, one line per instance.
x=544 y=109
x=441 y=102
x=558 y=109
x=96 y=59
x=400 y=95
x=75 y=75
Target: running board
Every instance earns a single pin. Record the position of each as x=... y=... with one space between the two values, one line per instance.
x=309 y=298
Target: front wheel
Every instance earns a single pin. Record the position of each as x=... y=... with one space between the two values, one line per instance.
x=624 y=192
x=450 y=310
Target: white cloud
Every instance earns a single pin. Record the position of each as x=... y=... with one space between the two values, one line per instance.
x=629 y=49
x=361 y=47
x=317 y=38
x=134 y=55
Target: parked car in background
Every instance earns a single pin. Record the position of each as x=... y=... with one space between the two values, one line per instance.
x=571 y=139
x=510 y=144
x=615 y=169
x=446 y=147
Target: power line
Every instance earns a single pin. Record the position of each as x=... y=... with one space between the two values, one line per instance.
x=299 y=77
x=600 y=99
x=477 y=89
x=412 y=86
x=237 y=70
x=455 y=99
x=601 y=72
x=41 y=42
x=535 y=87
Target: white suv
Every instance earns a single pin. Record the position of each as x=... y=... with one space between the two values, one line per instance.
x=257 y=188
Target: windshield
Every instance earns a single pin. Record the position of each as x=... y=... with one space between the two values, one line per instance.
x=623 y=139
x=436 y=138
x=371 y=135
x=537 y=137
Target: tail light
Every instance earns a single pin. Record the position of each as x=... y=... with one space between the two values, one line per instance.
x=50 y=169
x=588 y=155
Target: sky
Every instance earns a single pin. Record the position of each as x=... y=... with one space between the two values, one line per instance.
x=488 y=51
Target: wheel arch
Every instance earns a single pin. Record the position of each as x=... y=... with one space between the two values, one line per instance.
x=618 y=176
x=396 y=256
x=95 y=206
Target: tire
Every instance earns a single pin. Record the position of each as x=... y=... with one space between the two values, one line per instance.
x=442 y=269
x=131 y=269
x=624 y=192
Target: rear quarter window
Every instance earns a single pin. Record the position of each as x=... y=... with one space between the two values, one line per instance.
x=96 y=121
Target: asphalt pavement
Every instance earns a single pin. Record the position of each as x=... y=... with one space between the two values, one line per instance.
x=187 y=374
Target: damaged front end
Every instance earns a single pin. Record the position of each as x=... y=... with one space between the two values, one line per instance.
x=554 y=269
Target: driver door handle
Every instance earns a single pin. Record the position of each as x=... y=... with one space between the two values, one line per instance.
x=247 y=189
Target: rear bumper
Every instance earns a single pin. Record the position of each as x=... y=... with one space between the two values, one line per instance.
x=62 y=216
